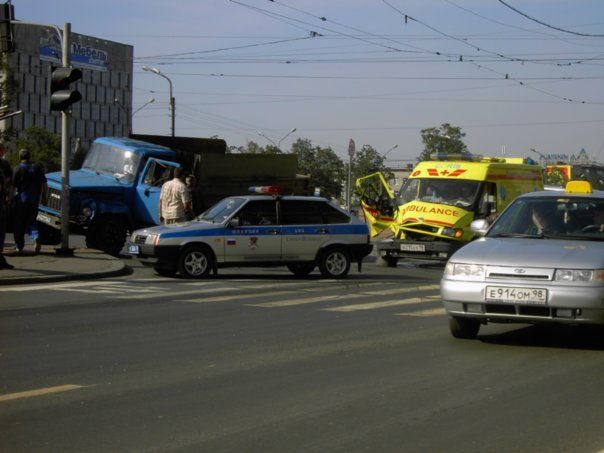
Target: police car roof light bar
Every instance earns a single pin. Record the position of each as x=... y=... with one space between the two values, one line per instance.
x=266 y=190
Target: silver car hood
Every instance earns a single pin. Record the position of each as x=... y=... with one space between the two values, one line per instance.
x=570 y=254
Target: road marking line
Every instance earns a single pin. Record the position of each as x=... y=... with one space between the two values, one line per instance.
x=312 y=300
x=422 y=313
x=40 y=392
x=233 y=297
x=377 y=305
x=103 y=289
x=38 y=287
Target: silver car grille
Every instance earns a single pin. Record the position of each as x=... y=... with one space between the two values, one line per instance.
x=519 y=273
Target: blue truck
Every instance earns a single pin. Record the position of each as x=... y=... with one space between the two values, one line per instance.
x=117 y=189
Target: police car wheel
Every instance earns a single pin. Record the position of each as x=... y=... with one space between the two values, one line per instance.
x=194 y=262
x=335 y=263
x=301 y=270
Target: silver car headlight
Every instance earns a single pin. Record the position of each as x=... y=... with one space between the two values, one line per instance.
x=466 y=271
x=579 y=275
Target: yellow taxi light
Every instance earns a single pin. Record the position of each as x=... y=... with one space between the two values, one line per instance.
x=578 y=187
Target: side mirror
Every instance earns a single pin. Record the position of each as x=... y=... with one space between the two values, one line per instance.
x=480 y=226
x=233 y=223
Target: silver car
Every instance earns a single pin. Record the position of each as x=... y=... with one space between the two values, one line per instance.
x=541 y=261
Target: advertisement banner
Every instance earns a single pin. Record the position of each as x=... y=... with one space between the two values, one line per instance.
x=82 y=56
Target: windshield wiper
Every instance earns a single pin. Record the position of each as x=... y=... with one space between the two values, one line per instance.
x=579 y=237
x=517 y=235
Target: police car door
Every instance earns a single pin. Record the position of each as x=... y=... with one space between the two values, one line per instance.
x=303 y=229
x=253 y=233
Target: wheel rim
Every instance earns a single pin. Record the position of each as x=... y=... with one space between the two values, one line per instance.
x=336 y=263
x=195 y=263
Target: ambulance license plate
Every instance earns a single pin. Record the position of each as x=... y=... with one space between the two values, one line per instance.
x=413 y=248
x=134 y=249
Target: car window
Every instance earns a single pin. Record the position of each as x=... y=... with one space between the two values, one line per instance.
x=300 y=212
x=570 y=217
x=222 y=210
x=258 y=212
x=332 y=215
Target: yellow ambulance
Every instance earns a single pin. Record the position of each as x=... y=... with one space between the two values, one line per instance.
x=430 y=217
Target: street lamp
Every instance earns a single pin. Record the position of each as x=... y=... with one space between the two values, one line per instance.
x=388 y=152
x=150 y=101
x=278 y=144
x=172 y=102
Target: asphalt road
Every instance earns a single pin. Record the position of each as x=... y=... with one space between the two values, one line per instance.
x=260 y=361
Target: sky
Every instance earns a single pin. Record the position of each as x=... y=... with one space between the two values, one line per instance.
x=375 y=71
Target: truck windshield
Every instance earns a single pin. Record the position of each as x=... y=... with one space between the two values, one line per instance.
x=120 y=163
x=454 y=192
x=221 y=210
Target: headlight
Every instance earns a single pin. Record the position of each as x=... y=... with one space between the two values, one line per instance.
x=152 y=239
x=468 y=271
x=86 y=212
x=452 y=232
x=579 y=275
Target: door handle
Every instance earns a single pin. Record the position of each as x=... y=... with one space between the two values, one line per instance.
x=272 y=231
x=322 y=230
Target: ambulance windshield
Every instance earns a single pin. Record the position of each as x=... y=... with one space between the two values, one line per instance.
x=453 y=192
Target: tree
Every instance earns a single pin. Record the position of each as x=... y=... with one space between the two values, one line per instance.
x=325 y=168
x=44 y=148
x=368 y=161
x=444 y=140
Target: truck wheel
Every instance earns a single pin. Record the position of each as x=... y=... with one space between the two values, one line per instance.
x=108 y=235
x=195 y=262
x=464 y=327
x=301 y=270
x=334 y=263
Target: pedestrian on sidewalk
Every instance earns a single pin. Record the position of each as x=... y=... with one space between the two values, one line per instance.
x=30 y=185
x=6 y=174
x=174 y=200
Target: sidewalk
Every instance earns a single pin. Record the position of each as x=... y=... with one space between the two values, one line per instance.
x=47 y=266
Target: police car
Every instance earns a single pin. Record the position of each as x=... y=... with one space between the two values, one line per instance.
x=257 y=230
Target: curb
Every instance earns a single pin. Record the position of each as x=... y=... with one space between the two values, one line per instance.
x=117 y=269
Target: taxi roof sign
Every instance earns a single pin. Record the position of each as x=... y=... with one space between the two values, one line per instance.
x=578 y=187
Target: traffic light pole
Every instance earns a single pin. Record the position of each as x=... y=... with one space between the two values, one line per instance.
x=65 y=250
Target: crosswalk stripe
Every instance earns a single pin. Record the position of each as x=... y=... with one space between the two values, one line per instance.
x=376 y=305
x=421 y=313
x=329 y=298
x=39 y=287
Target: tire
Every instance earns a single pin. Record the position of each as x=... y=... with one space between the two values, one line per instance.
x=107 y=234
x=301 y=270
x=464 y=327
x=335 y=263
x=48 y=234
x=164 y=272
x=195 y=262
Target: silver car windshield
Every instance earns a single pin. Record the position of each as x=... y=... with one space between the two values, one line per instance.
x=221 y=210
x=552 y=218
x=454 y=192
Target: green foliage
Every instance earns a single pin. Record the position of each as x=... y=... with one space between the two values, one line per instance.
x=326 y=169
x=367 y=161
x=446 y=139
x=254 y=148
x=44 y=148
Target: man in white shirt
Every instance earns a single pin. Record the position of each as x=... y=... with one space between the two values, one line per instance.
x=174 y=200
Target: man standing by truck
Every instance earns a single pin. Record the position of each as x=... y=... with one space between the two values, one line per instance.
x=175 y=200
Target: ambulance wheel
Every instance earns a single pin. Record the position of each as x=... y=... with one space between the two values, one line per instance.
x=195 y=262
x=301 y=270
x=464 y=327
x=334 y=263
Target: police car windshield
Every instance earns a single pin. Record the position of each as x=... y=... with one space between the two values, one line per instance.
x=571 y=218
x=221 y=210
x=453 y=192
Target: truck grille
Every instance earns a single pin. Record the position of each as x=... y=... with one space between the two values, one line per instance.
x=53 y=201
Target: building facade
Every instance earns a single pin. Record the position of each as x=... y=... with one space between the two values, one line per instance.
x=106 y=84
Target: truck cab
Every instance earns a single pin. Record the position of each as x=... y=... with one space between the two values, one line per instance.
x=116 y=190
x=430 y=217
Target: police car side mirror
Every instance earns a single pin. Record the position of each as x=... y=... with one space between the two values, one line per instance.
x=233 y=223
x=480 y=226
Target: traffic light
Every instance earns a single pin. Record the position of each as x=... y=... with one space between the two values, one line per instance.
x=7 y=14
x=61 y=96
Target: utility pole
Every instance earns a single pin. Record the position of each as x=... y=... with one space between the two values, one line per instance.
x=65 y=250
x=351 y=151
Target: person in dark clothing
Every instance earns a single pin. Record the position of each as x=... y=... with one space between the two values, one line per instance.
x=6 y=174
x=29 y=184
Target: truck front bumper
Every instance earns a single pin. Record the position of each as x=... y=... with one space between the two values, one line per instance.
x=424 y=250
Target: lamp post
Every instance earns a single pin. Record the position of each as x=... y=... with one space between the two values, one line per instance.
x=351 y=151
x=278 y=144
x=150 y=101
x=388 y=152
x=172 y=101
